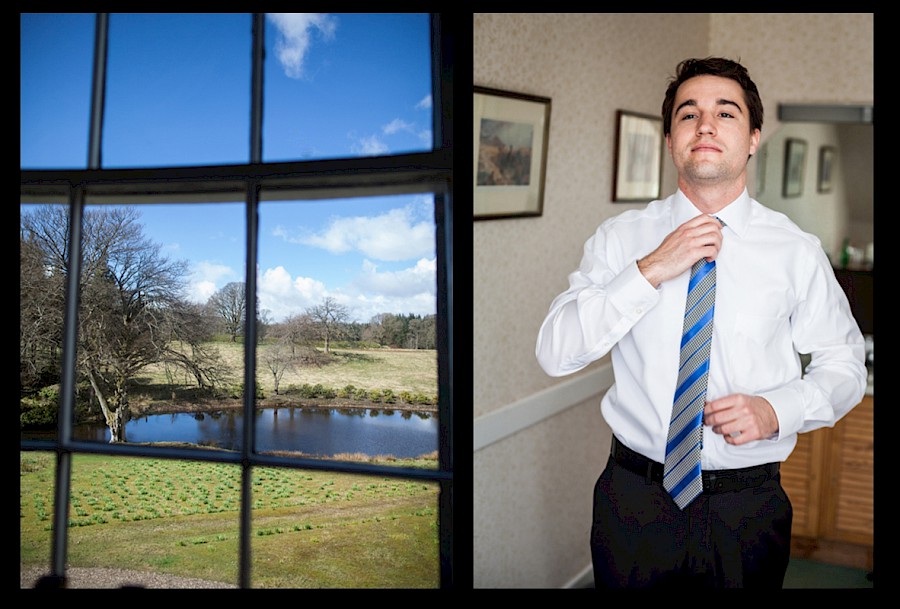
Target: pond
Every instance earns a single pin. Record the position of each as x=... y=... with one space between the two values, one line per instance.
x=314 y=431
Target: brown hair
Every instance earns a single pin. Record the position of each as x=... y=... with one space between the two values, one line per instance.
x=714 y=66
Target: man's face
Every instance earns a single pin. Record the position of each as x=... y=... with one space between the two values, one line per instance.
x=710 y=139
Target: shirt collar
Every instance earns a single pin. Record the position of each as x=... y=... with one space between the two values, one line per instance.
x=735 y=215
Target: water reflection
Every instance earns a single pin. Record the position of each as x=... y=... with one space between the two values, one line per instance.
x=315 y=431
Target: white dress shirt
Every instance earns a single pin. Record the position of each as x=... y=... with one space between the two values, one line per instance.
x=776 y=297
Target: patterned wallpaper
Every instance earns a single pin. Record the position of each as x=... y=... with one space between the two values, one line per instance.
x=590 y=65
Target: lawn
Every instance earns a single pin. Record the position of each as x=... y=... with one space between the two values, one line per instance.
x=310 y=528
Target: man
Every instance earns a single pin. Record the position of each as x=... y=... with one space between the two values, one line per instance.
x=774 y=296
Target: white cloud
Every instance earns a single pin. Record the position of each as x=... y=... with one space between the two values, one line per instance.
x=394 y=235
x=398 y=125
x=368 y=146
x=425 y=103
x=295 y=31
x=207 y=277
x=200 y=291
x=418 y=279
x=283 y=295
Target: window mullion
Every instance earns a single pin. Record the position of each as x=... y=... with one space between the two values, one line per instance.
x=98 y=90
x=256 y=87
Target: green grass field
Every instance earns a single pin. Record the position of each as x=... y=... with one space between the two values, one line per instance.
x=310 y=528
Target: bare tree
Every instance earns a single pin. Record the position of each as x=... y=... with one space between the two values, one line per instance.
x=41 y=290
x=230 y=304
x=131 y=312
x=375 y=330
x=277 y=359
x=328 y=317
x=296 y=331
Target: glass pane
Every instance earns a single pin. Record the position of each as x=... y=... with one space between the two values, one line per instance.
x=315 y=529
x=178 y=90
x=42 y=285
x=157 y=362
x=37 y=473
x=55 y=89
x=346 y=85
x=347 y=362
x=151 y=523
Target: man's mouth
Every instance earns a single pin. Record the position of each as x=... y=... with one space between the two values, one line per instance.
x=706 y=148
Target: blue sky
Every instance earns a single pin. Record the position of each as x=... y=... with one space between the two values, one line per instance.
x=178 y=94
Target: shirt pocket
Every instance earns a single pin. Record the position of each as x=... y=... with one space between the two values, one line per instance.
x=760 y=352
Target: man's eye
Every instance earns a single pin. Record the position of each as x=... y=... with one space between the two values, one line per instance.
x=685 y=117
x=727 y=114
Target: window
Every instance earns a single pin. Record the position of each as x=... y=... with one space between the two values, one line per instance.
x=187 y=152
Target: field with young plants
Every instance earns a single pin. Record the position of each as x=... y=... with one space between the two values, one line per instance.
x=310 y=528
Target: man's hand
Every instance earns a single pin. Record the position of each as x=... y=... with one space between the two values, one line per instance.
x=699 y=237
x=741 y=418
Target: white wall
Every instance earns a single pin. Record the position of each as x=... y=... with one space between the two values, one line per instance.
x=534 y=476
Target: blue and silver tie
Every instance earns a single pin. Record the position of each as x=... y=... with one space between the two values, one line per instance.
x=682 y=477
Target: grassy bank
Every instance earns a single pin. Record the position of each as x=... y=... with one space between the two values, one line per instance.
x=310 y=528
x=413 y=370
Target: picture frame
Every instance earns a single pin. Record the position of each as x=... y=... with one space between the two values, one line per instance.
x=639 y=152
x=511 y=135
x=794 y=167
x=826 y=167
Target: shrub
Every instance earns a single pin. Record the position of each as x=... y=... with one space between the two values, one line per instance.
x=347 y=392
x=424 y=399
x=237 y=391
x=37 y=412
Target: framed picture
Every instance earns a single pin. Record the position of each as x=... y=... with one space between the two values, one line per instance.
x=826 y=163
x=637 y=176
x=511 y=131
x=794 y=164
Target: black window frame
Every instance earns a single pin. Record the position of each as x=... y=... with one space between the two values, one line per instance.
x=252 y=183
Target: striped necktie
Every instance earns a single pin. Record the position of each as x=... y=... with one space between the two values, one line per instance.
x=682 y=478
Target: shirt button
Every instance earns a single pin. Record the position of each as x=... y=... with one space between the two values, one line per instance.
x=639 y=310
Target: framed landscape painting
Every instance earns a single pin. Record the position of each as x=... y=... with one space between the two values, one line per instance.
x=511 y=131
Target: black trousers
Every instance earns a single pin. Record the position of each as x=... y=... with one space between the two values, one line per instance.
x=735 y=539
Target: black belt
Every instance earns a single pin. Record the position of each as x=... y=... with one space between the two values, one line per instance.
x=714 y=481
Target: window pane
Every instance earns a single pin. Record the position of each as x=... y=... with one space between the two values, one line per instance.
x=315 y=529
x=347 y=362
x=178 y=90
x=346 y=85
x=157 y=361
x=36 y=495
x=42 y=285
x=55 y=89
x=139 y=522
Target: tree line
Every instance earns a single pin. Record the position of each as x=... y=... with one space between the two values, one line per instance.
x=133 y=313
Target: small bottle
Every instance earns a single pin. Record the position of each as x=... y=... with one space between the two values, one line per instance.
x=845 y=253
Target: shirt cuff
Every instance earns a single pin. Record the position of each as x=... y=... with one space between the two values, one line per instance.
x=790 y=418
x=631 y=293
